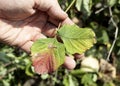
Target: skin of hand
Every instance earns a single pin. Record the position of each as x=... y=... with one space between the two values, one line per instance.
x=24 y=21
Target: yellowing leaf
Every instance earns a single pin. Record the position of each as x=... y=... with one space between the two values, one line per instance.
x=75 y=39
x=47 y=55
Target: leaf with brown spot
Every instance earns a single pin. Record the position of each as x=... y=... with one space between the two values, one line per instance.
x=47 y=55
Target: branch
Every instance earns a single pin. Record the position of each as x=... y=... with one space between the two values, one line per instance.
x=10 y=70
x=116 y=34
x=71 y=4
x=100 y=10
x=68 y=8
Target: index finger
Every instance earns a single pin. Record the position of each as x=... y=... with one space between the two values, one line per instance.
x=52 y=8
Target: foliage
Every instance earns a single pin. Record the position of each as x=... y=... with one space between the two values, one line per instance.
x=75 y=39
x=103 y=16
x=49 y=54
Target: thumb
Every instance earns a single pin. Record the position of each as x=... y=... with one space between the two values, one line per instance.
x=52 y=8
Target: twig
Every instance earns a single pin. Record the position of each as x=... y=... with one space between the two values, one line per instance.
x=7 y=64
x=55 y=76
x=1 y=77
x=68 y=8
x=116 y=34
x=98 y=11
x=71 y=4
x=10 y=70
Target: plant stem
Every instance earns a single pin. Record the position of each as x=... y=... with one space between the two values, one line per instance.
x=116 y=34
x=7 y=64
x=68 y=8
x=100 y=10
x=71 y=4
x=10 y=70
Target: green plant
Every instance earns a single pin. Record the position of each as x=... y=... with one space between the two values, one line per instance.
x=48 y=54
x=103 y=17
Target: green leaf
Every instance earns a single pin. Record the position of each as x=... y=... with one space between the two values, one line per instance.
x=84 y=6
x=118 y=42
x=75 y=39
x=77 y=72
x=87 y=4
x=66 y=81
x=4 y=58
x=70 y=81
x=87 y=80
x=3 y=71
x=118 y=1
x=104 y=37
x=78 y=4
x=111 y=2
x=110 y=83
x=28 y=70
x=47 y=55
x=6 y=83
x=44 y=76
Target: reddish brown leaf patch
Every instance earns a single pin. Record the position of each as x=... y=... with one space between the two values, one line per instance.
x=44 y=63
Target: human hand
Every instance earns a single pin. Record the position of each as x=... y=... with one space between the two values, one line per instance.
x=23 y=22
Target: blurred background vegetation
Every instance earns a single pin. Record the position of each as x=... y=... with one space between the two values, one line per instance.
x=103 y=16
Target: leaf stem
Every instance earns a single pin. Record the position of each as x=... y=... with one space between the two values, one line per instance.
x=116 y=34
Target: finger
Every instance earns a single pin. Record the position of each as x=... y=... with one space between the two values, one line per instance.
x=54 y=21
x=67 y=21
x=26 y=47
x=57 y=22
x=38 y=36
x=14 y=10
x=49 y=30
x=69 y=63
x=52 y=8
x=37 y=20
x=79 y=56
